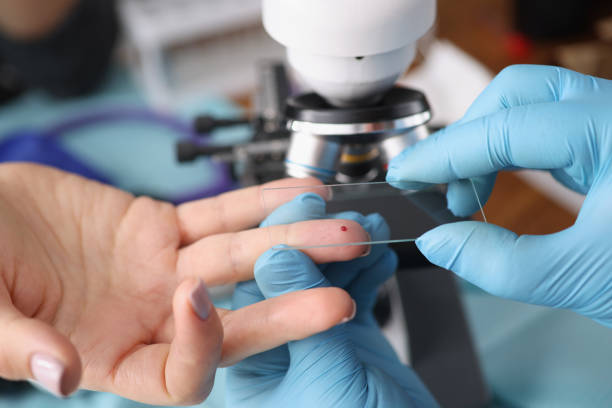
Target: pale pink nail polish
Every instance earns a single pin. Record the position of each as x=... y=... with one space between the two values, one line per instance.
x=200 y=301
x=49 y=373
x=352 y=316
x=368 y=251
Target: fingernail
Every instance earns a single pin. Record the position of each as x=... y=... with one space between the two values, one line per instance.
x=48 y=372
x=368 y=250
x=200 y=301
x=352 y=316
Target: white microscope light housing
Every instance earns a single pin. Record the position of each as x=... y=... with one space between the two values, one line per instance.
x=349 y=51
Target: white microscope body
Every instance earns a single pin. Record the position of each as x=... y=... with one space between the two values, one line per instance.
x=349 y=51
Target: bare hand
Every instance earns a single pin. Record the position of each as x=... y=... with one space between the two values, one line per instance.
x=105 y=291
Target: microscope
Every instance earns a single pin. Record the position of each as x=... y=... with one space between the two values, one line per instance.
x=346 y=129
x=354 y=121
x=350 y=54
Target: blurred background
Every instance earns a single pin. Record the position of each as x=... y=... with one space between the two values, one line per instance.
x=107 y=88
x=93 y=59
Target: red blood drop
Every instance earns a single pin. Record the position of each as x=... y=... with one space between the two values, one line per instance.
x=519 y=47
x=344 y=229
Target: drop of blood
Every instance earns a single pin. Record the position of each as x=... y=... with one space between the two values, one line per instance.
x=343 y=228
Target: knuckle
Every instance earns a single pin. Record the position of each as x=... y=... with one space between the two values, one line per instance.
x=150 y=205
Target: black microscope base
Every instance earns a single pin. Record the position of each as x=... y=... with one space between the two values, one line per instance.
x=441 y=346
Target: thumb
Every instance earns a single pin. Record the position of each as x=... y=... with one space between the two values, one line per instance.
x=526 y=268
x=180 y=373
x=31 y=349
x=195 y=351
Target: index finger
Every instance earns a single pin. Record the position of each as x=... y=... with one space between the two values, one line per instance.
x=229 y=258
x=273 y=322
x=237 y=210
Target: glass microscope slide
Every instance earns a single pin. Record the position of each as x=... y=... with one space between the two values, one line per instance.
x=309 y=217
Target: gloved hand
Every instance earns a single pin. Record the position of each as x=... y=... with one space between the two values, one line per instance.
x=533 y=117
x=350 y=365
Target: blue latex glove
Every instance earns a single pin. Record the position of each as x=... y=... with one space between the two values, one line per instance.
x=533 y=117
x=351 y=365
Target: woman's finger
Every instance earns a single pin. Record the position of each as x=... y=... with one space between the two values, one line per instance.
x=30 y=349
x=232 y=256
x=240 y=209
x=271 y=323
x=180 y=373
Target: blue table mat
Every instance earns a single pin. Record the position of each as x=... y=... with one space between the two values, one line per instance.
x=137 y=156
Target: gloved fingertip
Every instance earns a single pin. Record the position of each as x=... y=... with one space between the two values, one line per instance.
x=406 y=185
x=377 y=227
x=280 y=271
x=395 y=174
x=440 y=245
x=311 y=199
x=468 y=248
x=400 y=170
x=305 y=206
x=464 y=197
x=245 y=294
x=279 y=253
x=394 y=183
x=423 y=243
x=405 y=163
x=462 y=208
x=396 y=163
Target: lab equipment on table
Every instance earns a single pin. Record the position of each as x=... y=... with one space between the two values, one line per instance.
x=45 y=145
x=181 y=49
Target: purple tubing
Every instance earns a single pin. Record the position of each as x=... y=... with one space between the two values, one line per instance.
x=222 y=183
